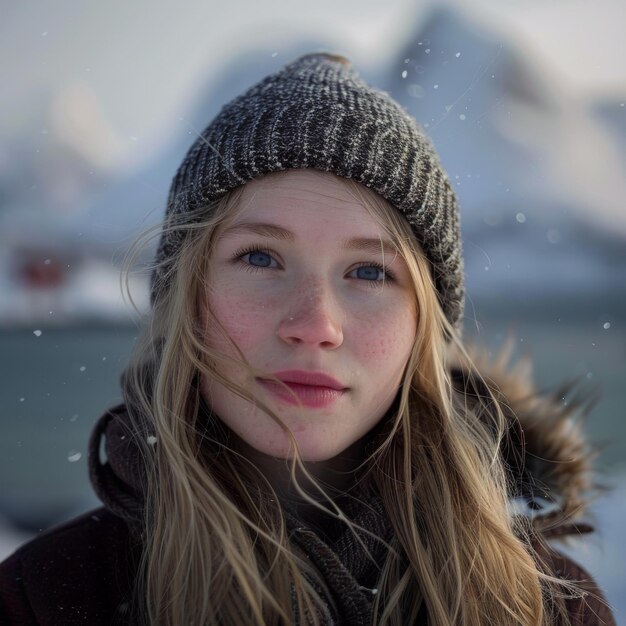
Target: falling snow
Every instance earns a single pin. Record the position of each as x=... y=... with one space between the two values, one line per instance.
x=606 y=325
x=553 y=235
x=151 y=440
x=37 y=333
x=415 y=91
x=520 y=217
x=73 y=456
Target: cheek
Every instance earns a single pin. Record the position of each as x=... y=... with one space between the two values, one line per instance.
x=389 y=337
x=244 y=318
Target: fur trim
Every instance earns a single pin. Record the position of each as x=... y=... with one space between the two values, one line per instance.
x=546 y=449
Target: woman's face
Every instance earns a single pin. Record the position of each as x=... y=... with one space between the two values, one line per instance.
x=296 y=283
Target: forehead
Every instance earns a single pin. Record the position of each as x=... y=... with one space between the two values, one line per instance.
x=303 y=195
x=309 y=205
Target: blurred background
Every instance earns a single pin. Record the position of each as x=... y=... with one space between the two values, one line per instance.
x=524 y=100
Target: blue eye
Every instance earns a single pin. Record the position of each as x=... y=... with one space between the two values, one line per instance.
x=369 y=272
x=373 y=273
x=259 y=258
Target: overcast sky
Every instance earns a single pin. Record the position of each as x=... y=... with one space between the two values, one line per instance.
x=143 y=59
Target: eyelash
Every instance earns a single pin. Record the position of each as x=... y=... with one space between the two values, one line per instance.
x=253 y=268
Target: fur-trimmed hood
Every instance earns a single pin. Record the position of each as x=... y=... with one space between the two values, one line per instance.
x=545 y=449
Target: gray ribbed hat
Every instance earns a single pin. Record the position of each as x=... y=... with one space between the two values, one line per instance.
x=317 y=112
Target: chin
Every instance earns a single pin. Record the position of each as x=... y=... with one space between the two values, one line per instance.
x=309 y=451
x=318 y=456
x=326 y=453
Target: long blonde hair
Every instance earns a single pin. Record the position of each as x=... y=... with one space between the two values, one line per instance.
x=216 y=548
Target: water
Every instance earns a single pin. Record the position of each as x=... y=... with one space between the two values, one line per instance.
x=54 y=386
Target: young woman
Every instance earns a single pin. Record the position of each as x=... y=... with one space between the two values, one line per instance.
x=304 y=438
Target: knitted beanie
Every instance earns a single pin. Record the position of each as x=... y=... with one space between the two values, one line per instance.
x=316 y=112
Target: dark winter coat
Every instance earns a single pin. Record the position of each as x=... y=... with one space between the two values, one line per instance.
x=83 y=571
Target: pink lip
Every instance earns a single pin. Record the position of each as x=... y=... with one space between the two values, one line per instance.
x=303 y=377
x=313 y=389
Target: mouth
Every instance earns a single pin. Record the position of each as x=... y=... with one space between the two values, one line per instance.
x=313 y=396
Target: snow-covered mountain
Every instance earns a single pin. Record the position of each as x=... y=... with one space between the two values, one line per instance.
x=539 y=176
x=612 y=113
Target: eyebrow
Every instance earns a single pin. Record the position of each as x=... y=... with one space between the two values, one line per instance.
x=361 y=244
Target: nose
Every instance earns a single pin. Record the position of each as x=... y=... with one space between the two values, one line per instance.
x=312 y=317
